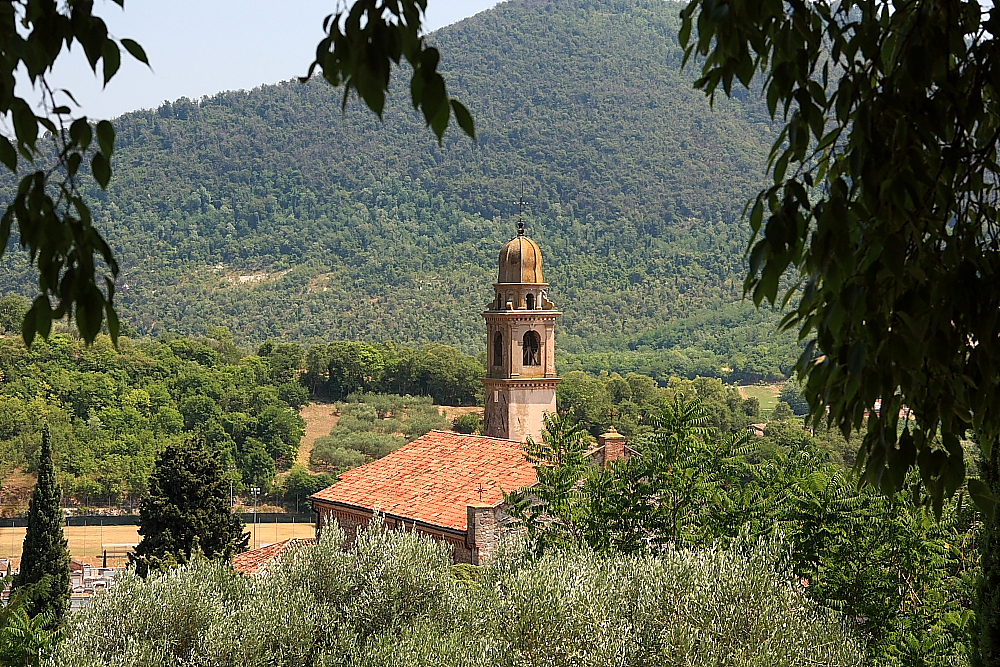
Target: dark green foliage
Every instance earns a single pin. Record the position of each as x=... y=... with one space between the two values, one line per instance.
x=470 y=422
x=300 y=484
x=336 y=370
x=255 y=464
x=47 y=206
x=612 y=400
x=904 y=581
x=986 y=643
x=294 y=394
x=897 y=300
x=364 y=43
x=782 y=412
x=24 y=640
x=791 y=395
x=113 y=410
x=187 y=511
x=12 y=311
x=284 y=361
x=560 y=463
x=44 y=556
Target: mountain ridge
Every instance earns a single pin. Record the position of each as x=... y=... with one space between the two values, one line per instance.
x=368 y=230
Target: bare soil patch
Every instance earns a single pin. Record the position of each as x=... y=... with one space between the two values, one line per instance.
x=320 y=420
x=15 y=492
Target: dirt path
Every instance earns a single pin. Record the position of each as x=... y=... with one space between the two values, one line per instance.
x=320 y=420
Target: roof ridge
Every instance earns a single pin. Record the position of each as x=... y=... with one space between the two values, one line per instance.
x=508 y=441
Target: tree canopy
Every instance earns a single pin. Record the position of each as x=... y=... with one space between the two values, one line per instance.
x=48 y=151
x=44 y=557
x=187 y=511
x=884 y=209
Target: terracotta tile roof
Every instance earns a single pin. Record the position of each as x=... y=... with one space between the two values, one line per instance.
x=256 y=561
x=435 y=477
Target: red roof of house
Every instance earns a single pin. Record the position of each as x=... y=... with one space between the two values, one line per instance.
x=257 y=560
x=434 y=478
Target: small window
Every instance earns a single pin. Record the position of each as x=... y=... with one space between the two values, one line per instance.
x=529 y=302
x=498 y=349
x=531 y=349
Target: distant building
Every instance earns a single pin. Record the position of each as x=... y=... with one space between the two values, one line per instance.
x=450 y=486
x=520 y=380
x=257 y=561
x=86 y=580
x=446 y=485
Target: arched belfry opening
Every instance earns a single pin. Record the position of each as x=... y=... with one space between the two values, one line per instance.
x=531 y=348
x=498 y=349
x=521 y=385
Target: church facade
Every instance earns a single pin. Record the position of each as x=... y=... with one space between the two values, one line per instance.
x=520 y=382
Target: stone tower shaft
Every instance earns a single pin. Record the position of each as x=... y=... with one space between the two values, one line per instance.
x=520 y=328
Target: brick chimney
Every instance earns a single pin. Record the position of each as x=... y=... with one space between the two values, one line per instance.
x=482 y=532
x=613 y=445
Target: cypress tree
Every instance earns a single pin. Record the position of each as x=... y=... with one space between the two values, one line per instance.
x=986 y=642
x=187 y=511
x=44 y=557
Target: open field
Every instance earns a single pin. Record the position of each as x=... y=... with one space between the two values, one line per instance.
x=766 y=394
x=87 y=540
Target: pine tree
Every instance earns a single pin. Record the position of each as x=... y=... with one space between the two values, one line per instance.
x=44 y=557
x=187 y=511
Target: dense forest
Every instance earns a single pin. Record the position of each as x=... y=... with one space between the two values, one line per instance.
x=271 y=213
x=111 y=411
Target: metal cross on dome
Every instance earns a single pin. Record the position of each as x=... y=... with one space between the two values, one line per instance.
x=520 y=212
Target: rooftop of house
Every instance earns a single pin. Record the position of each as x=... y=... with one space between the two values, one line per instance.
x=256 y=561
x=434 y=478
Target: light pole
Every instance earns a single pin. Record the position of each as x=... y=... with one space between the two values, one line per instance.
x=255 y=490
x=231 y=469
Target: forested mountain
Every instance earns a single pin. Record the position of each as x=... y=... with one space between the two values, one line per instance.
x=271 y=213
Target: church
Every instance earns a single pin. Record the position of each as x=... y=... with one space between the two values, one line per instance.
x=448 y=485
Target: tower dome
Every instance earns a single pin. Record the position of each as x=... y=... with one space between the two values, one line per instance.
x=520 y=261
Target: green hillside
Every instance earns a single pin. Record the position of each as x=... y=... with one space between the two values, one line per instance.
x=270 y=213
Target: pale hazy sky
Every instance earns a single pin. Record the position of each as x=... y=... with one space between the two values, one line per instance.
x=200 y=47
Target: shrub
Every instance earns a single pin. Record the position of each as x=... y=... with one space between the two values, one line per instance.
x=328 y=451
x=300 y=483
x=370 y=423
x=468 y=423
x=294 y=394
x=375 y=445
x=424 y=421
x=351 y=424
x=395 y=600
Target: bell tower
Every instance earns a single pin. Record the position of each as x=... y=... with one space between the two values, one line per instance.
x=520 y=328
